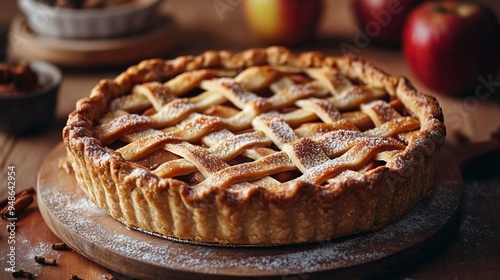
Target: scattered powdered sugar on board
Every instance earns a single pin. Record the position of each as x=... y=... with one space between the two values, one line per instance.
x=42 y=248
x=473 y=228
x=76 y=212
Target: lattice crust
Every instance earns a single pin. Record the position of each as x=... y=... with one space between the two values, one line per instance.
x=260 y=147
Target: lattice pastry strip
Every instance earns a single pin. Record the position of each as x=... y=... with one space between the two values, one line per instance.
x=332 y=78
x=356 y=157
x=192 y=130
x=226 y=149
x=380 y=112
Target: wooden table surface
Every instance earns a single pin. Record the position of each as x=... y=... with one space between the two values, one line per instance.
x=470 y=251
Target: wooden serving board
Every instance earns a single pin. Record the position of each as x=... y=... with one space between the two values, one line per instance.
x=156 y=41
x=97 y=236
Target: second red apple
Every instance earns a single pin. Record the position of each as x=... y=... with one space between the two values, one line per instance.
x=451 y=46
x=383 y=20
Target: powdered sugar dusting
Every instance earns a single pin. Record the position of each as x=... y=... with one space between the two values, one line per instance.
x=473 y=227
x=26 y=245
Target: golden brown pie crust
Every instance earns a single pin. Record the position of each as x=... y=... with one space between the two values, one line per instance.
x=244 y=212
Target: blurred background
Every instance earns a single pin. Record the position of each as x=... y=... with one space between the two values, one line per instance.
x=193 y=26
x=205 y=23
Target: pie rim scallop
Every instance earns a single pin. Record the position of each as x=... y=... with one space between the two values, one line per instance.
x=233 y=147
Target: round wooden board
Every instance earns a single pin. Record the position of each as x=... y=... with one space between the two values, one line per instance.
x=156 y=41
x=96 y=235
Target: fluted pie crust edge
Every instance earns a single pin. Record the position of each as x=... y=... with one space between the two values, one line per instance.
x=303 y=213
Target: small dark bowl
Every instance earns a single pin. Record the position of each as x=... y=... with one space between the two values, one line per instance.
x=30 y=112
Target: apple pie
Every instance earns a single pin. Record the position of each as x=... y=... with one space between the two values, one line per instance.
x=261 y=147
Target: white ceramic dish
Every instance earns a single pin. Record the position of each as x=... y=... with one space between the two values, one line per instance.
x=89 y=23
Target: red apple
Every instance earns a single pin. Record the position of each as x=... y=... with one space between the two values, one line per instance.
x=284 y=22
x=383 y=20
x=450 y=45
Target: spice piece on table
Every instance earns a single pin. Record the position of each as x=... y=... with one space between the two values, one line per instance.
x=17 y=206
x=22 y=274
x=29 y=191
x=110 y=276
x=45 y=261
x=60 y=246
